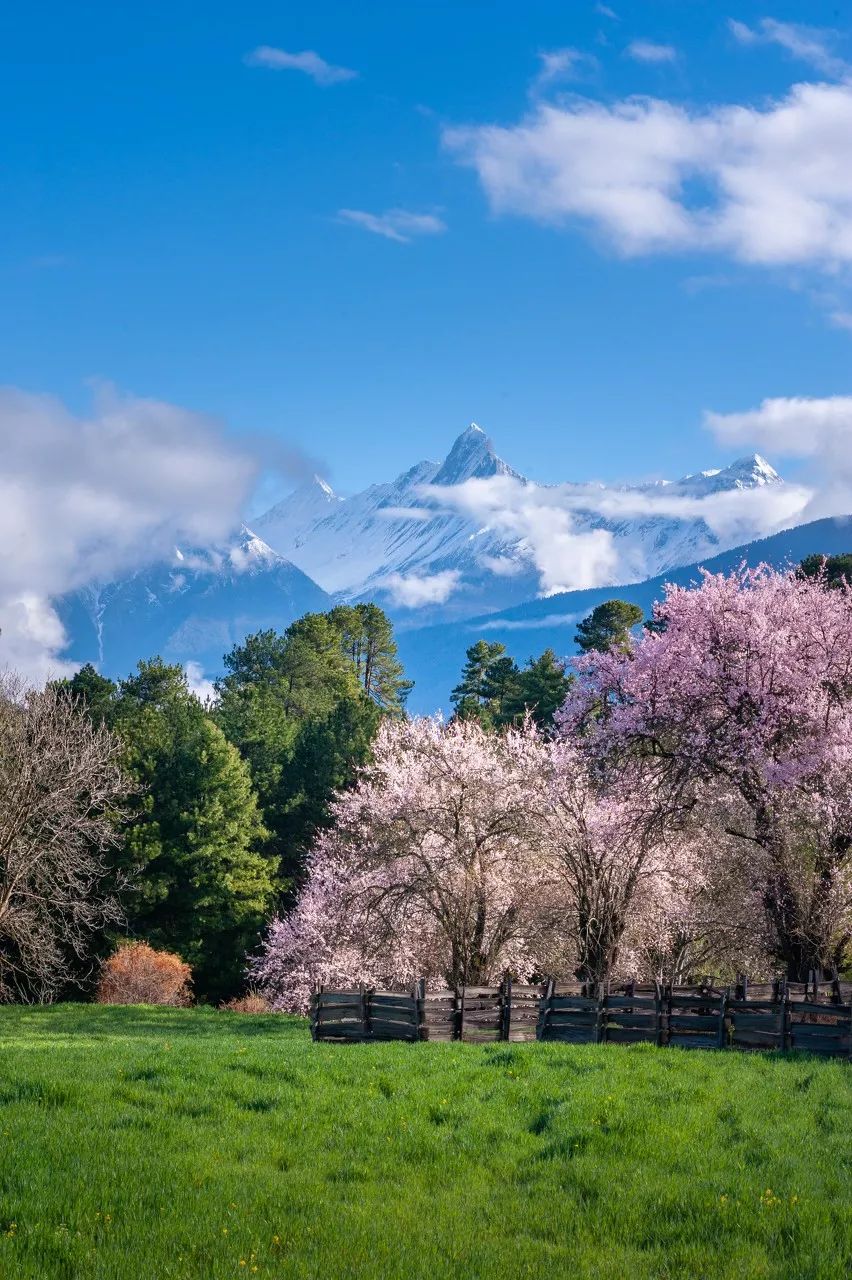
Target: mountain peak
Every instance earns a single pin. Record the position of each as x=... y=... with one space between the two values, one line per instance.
x=471 y=457
x=317 y=482
x=749 y=472
x=755 y=466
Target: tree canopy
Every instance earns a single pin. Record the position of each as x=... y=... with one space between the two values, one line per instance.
x=833 y=571
x=742 y=708
x=194 y=839
x=608 y=626
x=495 y=692
x=302 y=708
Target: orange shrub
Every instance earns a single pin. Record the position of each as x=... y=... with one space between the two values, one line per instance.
x=137 y=974
x=251 y=1002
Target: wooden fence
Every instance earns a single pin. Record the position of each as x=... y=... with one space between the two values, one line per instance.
x=814 y=1016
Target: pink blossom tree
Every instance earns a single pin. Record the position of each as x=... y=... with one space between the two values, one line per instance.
x=433 y=866
x=611 y=870
x=740 y=700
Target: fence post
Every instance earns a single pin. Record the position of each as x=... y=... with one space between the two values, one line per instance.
x=666 y=1015
x=365 y=1014
x=784 y=1001
x=460 y=1013
x=600 y=989
x=506 y=1006
x=315 y=1002
x=418 y=993
x=723 y=1010
x=544 y=1008
x=658 y=1007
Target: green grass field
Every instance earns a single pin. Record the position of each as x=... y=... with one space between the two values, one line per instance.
x=142 y=1144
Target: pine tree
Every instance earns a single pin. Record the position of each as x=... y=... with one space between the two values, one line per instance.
x=366 y=634
x=325 y=760
x=203 y=884
x=92 y=691
x=470 y=696
x=834 y=571
x=302 y=708
x=542 y=687
x=608 y=626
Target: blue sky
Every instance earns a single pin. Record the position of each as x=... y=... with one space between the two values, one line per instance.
x=171 y=224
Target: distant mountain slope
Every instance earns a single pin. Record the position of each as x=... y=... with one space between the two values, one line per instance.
x=433 y=655
x=193 y=609
x=427 y=562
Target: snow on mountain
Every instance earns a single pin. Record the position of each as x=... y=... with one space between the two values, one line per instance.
x=191 y=609
x=386 y=536
x=442 y=543
x=751 y=472
x=437 y=542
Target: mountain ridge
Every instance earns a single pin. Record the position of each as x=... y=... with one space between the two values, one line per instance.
x=391 y=545
x=394 y=535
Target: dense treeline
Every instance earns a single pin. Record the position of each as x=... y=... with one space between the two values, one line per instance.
x=689 y=810
x=225 y=798
x=189 y=825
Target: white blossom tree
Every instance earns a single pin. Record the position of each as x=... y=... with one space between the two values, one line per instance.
x=433 y=866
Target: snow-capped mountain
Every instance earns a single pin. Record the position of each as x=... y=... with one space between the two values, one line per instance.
x=444 y=542
x=381 y=541
x=432 y=544
x=192 y=609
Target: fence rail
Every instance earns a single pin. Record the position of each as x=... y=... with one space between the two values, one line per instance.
x=813 y=1016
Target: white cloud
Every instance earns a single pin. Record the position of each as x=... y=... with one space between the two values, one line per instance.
x=562 y=64
x=650 y=51
x=502 y=566
x=198 y=683
x=396 y=224
x=770 y=185
x=816 y=429
x=84 y=499
x=565 y=558
x=320 y=71
x=841 y=319
x=799 y=426
x=605 y=12
x=529 y=624
x=569 y=533
x=808 y=44
x=413 y=590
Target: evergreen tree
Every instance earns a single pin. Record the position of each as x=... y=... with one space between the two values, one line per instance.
x=542 y=687
x=608 y=626
x=302 y=708
x=500 y=688
x=835 y=571
x=366 y=634
x=275 y=683
x=326 y=755
x=471 y=696
x=203 y=886
x=92 y=691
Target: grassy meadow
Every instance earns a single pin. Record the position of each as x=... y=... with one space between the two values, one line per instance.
x=141 y=1144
